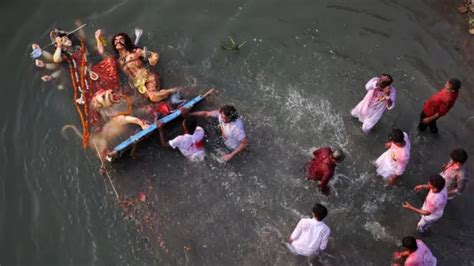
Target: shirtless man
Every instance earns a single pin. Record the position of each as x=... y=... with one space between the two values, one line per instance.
x=130 y=61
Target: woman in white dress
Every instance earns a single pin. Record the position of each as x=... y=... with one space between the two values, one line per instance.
x=392 y=163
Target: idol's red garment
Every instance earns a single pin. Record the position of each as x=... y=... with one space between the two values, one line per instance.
x=440 y=103
x=321 y=167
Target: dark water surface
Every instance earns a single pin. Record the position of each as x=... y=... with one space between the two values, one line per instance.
x=303 y=68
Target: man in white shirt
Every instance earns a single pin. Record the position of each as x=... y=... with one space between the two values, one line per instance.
x=232 y=129
x=191 y=143
x=380 y=97
x=435 y=201
x=311 y=235
x=416 y=253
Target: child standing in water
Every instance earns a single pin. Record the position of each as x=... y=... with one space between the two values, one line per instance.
x=435 y=201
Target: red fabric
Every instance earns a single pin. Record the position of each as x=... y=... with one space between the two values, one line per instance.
x=199 y=145
x=321 y=167
x=163 y=108
x=440 y=103
x=108 y=79
x=108 y=75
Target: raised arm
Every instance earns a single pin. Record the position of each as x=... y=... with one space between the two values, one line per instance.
x=57 y=56
x=151 y=57
x=100 y=44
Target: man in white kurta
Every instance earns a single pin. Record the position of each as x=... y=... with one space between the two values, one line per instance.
x=311 y=235
x=380 y=96
x=232 y=129
x=392 y=163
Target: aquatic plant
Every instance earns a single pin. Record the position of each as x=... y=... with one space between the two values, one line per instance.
x=470 y=22
x=233 y=46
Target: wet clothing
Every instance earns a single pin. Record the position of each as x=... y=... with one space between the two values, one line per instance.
x=432 y=125
x=233 y=132
x=191 y=146
x=310 y=237
x=456 y=177
x=370 y=109
x=394 y=160
x=421 y=257
x=434 y=203
x=321 y=167
x=440 y=103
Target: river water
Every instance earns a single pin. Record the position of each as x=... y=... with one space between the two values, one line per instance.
x=302 y=69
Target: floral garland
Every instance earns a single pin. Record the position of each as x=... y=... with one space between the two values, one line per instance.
x=75 y=79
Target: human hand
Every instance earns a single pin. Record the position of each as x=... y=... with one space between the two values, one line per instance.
x=388 y=145
x=46 y=78
x=418 y=188
x=58 y=41
x=407 y=205
x=397 y=255
x=228 y=156
x=35 y=46
x=426 y=121
x=144 y=124
x=184 y=111
x=39 y=63
x=98 y=34
x=325 y=190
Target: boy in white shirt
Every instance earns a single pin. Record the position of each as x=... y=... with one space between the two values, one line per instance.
x=232 y=129
x=434 y=204
x=311 y=235
x=191 y=143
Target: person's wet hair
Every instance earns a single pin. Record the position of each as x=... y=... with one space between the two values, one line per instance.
x=455 y=83
x=388 y=82
x=128 y=45
x=319 y=211
x=459 y=155
x=409 y=243
x=190 y=123
x=396 y=136
x=338 y=155
x=230 y=112
x=437 y=181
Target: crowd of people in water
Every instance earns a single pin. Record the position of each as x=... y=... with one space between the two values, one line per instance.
x=311 y=235
x=106 y=103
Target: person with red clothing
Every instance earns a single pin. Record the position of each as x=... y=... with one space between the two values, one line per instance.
x=439 y=105
x=322 y=166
